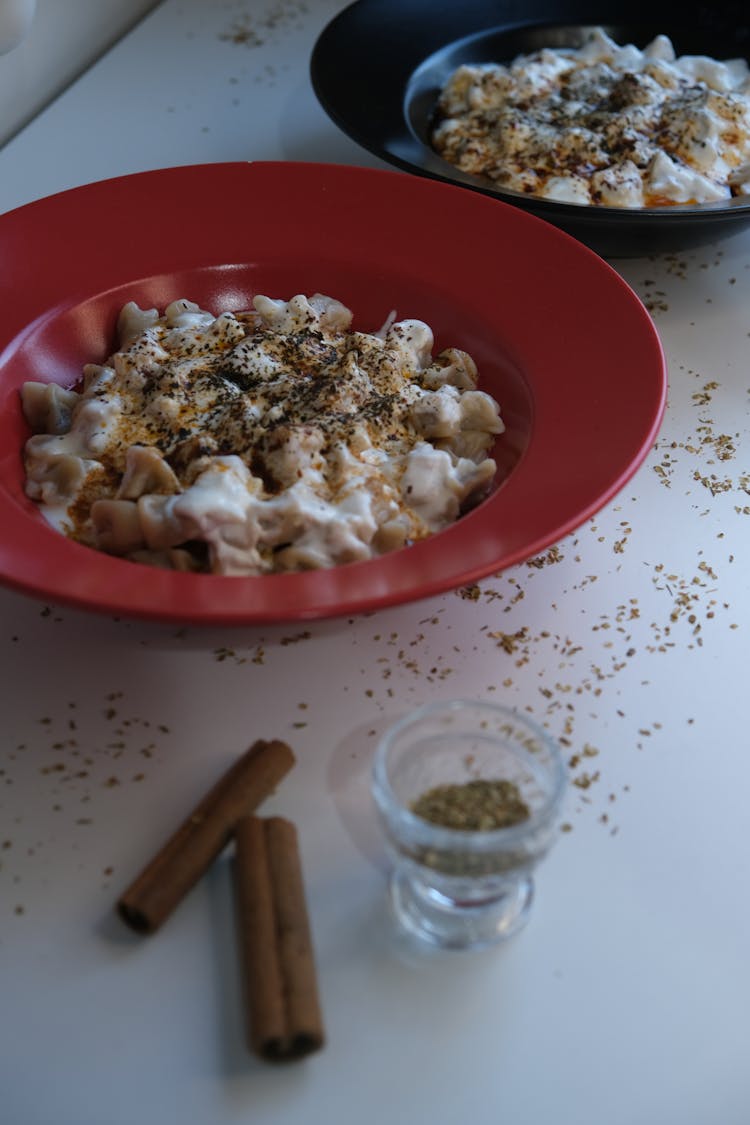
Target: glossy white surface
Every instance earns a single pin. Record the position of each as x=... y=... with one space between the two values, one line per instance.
x=51 y=43
x=15 y=20
x=625 y=999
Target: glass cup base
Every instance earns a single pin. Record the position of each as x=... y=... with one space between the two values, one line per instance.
x=446 y=923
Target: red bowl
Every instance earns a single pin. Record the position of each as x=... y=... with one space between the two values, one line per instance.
x=560 y=340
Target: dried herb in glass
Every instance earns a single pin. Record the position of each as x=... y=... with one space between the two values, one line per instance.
x=479 y=805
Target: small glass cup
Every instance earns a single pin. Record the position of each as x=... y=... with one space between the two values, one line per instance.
x=460 y=888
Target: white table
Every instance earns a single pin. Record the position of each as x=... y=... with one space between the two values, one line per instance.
x=625 y=1000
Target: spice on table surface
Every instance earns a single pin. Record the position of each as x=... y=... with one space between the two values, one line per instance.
x=482 y=804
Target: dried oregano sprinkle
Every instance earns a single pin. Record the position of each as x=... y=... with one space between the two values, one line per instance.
x=477 y=805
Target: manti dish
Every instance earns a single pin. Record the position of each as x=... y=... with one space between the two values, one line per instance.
x=560 y=341
x=379 y=66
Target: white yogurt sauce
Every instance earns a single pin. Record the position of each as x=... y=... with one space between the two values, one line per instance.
x=270 y=440
x=602 y=124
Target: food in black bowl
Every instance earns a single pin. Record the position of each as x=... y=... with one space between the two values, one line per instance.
x=380 y=70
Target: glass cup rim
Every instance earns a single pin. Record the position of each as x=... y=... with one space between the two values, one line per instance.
x=439 y=836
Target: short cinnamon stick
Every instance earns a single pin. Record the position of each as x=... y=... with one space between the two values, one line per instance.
x=282 y=1003
x=188 y=853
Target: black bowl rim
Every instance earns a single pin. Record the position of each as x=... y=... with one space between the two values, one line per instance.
x=368 y=61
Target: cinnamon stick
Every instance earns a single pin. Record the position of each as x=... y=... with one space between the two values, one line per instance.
x=188 y=853
x=284 y=1020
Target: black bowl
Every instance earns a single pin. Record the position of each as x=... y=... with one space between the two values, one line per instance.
x=378 y=67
